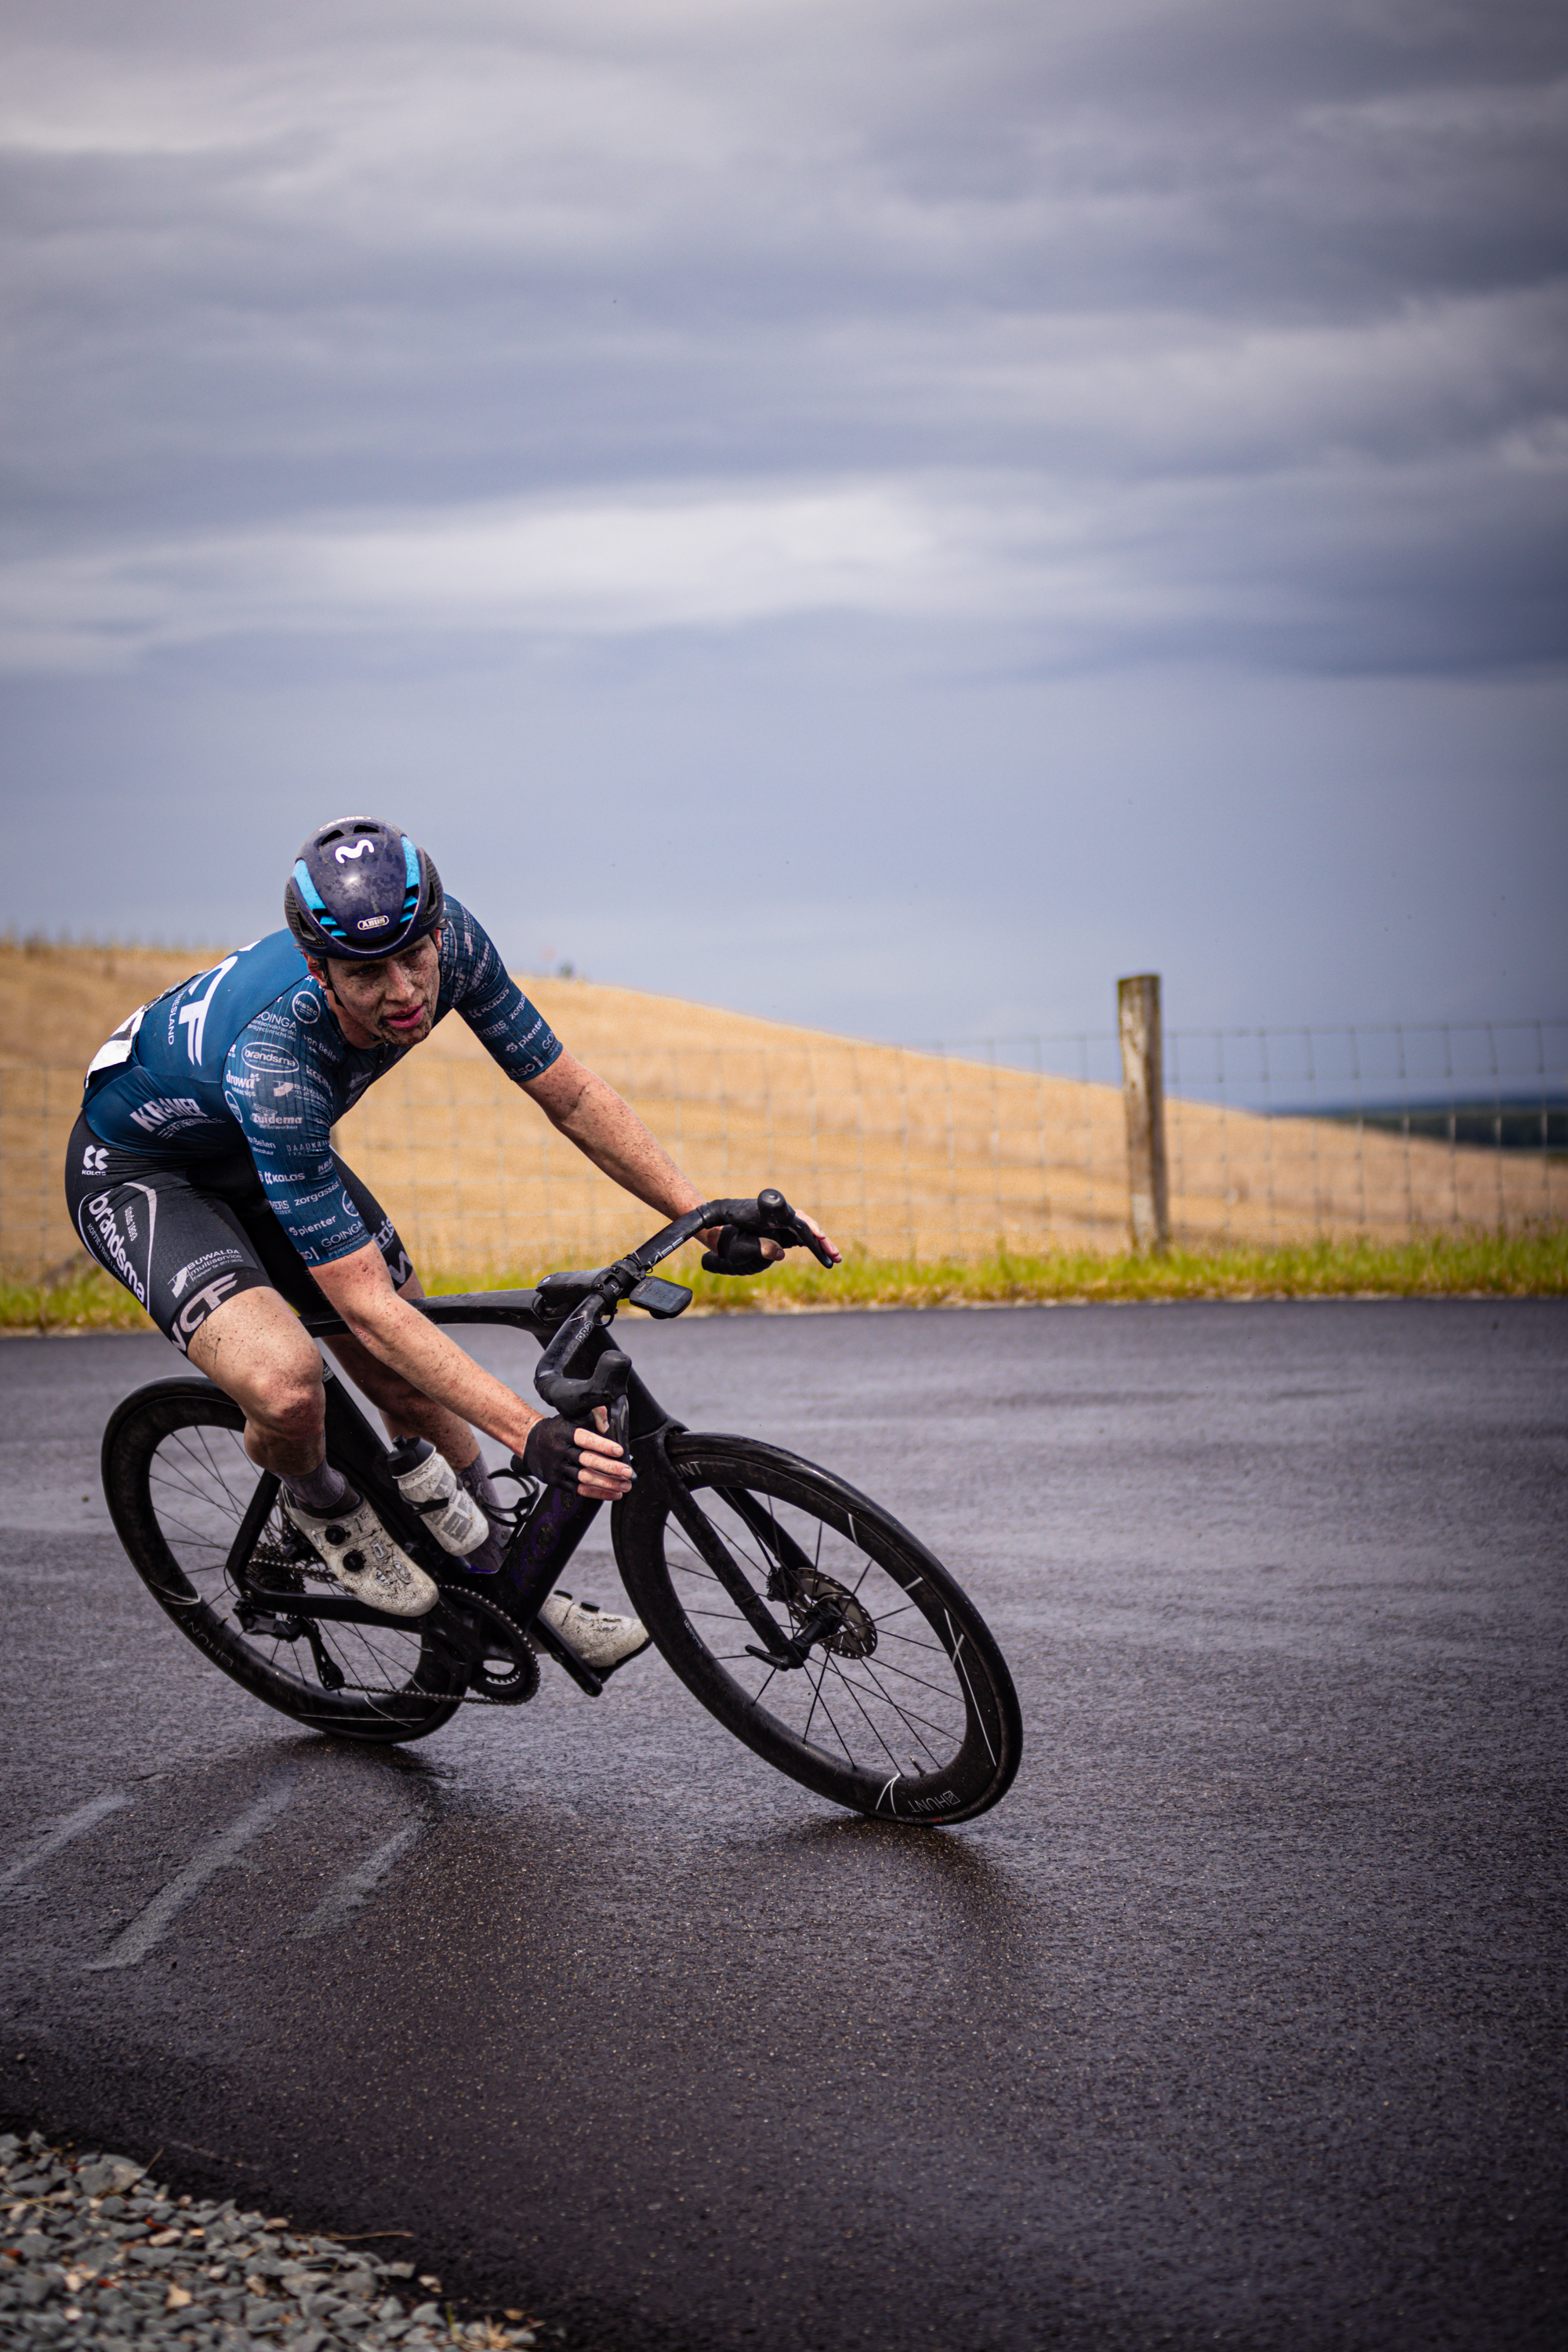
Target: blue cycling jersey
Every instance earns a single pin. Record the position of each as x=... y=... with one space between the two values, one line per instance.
x=247 y=1056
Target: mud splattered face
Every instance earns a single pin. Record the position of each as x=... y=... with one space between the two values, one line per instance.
x=390 y=1003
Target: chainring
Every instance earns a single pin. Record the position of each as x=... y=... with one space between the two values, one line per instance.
x=510 y=1679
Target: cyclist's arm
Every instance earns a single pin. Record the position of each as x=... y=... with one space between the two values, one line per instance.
x=359 y=1288
x=607 y=1131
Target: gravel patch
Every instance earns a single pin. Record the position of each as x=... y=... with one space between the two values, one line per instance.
x=94 y=2252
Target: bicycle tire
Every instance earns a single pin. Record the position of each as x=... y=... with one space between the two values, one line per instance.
x=908 y=1716
x=178 y=1482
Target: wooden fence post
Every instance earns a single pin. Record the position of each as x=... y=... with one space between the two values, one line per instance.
x=1143 y=1092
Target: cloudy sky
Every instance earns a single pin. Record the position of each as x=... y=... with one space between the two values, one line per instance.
x=886 y=513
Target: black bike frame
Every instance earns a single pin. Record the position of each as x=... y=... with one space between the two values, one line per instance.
x=557 y=1521
x=580 y=1369
x=548 y=1538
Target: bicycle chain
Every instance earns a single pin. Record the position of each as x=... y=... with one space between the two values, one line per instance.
x=282 y=1556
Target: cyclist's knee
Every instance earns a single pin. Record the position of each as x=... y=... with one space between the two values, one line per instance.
x=289 y=1402
x=254 y=1348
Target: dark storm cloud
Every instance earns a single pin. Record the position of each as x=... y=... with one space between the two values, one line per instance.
x=1113 y=328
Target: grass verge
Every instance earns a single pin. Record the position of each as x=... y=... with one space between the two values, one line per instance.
x=1532 y=1264
x=1519 y=1266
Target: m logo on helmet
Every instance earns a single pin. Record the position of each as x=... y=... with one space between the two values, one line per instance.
x=354 y=849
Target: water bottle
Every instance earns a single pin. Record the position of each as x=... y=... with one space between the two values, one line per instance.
x=427 y=1480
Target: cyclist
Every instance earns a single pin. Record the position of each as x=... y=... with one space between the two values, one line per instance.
x=201 y=1175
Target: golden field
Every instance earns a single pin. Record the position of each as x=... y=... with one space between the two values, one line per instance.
x=901 y=1154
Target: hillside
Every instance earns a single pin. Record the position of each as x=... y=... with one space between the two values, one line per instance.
x=904 y=1154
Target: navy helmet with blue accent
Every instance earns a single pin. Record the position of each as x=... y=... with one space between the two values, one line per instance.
x=362 y=889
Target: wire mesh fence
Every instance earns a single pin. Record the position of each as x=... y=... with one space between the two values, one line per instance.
x=947 y=1152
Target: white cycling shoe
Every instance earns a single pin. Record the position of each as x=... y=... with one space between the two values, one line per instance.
x=364 y=1560
x=600 y=1641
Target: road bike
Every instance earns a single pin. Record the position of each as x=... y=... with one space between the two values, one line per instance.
x=804 y=1616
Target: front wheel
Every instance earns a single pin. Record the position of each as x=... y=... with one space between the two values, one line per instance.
x=180 y=1487
x=894 y=1700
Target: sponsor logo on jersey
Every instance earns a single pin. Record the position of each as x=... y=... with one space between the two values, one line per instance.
x=305 y=1006
x=268 y=1057
x=95 y=1160
x=176 y=1110
x=193 y=1017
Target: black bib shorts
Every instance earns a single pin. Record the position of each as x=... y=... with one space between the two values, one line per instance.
x=184 y=1239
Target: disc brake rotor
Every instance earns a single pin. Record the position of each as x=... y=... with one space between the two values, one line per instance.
x=806 y=1592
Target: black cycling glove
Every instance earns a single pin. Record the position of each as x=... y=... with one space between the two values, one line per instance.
x=737 y=1252
x=552 y=1453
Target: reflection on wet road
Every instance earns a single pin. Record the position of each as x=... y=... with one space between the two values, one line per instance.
x=1235 y=2021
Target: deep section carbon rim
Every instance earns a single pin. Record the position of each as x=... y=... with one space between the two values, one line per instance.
x=902 y=1706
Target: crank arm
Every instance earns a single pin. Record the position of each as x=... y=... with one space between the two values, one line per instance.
x=469 y=1645
x=545 y=1637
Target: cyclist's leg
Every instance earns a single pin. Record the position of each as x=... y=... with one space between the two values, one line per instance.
x=185 y=1254
x=253 y=1347
x=406 y=1408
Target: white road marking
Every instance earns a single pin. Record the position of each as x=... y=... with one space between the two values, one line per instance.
x=154 y=1922
x=350 y=1890
x=87 y=1817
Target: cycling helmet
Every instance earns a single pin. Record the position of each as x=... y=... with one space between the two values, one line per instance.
x=362 y=889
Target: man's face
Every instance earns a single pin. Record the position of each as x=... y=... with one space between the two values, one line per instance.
x=389 y=1002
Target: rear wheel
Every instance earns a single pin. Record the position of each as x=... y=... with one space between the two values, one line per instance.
x=179 y=1485
x=900 y=1704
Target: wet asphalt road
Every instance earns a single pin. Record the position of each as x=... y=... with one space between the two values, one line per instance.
x=1240 y=2022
